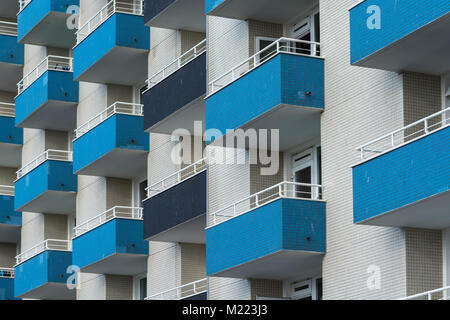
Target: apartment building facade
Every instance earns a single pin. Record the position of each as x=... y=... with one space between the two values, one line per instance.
x=193 y=150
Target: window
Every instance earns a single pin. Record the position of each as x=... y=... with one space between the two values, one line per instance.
x=142 y=191
x=264 y=42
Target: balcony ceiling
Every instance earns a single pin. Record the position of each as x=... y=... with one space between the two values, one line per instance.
x=182 y=15
x=11 y=74
x=11 y=155
x=51 y=291
x=9 y=8
x=9 y=233
x=281 y=11
x=54 y=115
x=54 y=202
x=192 y=231
x=119 y=264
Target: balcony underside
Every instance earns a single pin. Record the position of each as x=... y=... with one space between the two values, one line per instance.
x=262 y=10
x=9 y=8
x=119 y=163
x=192 y=231
x=422 y=51
x=281 y=265
x=119 y=264
x=9 y=233
x=130 y=67
x=53 y=115
x=50 y=291
x=11 y=155
x=183 y=118
x=51 y=201
x=429 y=213
x=296 y=125
x=51 y=31
x=10 y=75
x=179 y=15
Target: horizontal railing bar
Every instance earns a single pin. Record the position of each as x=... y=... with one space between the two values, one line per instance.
x=49 y=244
x=7 y=190
x=117 y=107
x=196 y=287
x=8 y=28
x=49 y=154
x=426 y=294
x=7 y=109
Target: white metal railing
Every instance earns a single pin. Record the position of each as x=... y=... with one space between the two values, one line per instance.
x=404 y=135
x=117 y=107
x=23 y=4
x=8 y=28
x=52 y=63
x=135 y=7
x=177 y=64
x=176 y=178
x=431 y=295
x=291 y=190
x=50 y=244
x=7 y=109
x=132 y=213
x=7 y=273
x=50 y=154
x=7 y=190
x=182 y=292
x=282 y=45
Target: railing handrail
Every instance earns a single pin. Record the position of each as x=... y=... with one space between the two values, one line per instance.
x=7 y=190
x=179 y=62
x=42 y=67
x=179 y=175
x=49 y=154
x=392 y=134
x=6 y=272
x=23 y=4
x=315 y=194
x=111 y=8
x=7 y=109
x=428 y=294
x=196 y=289
x=49 y=244
x=136 y=213
x=116 y=108
x=314 y=52
x=8 y=28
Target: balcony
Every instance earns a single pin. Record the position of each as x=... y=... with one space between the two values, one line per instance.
x=47 y=22
x=192 y=291
x=176 y=14
x=41 y=271
x=280 y=87
x=116 y=36
x=111 y=243
x=403 y=179
x=11 y=138
x=408 y=37
x=175 y=208
x=47 y=184
x=47 y=96
x=11 y=56
x=278 y=233
x=6 y=284
x=280 y=11
x=10 y=220
x=113 y=143
x=174 y=96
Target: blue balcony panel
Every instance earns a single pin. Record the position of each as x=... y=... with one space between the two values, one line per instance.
x=177 y=101
x=116 y=247
x=10 y=221
x=117 y=148
x=122 y=41
x=286 y=93
x=283 y=239
x=281 y=11
x=7 y=289
x=49 y=188
x=11 y=62
x=178 y=214
x=406 y=187
x=44 y=277
x=176 y=14
x=45 y=23
x=11 y=139
x=49 y=103
x=409 y=37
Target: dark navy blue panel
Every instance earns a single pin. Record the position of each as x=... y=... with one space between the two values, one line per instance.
x=154 y=7
x=198 y=297
x=176 y=91
x=174 y=206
